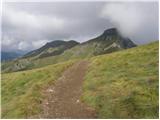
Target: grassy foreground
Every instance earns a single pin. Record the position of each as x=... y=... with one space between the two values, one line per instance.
x=22 y=91
x=124 y=84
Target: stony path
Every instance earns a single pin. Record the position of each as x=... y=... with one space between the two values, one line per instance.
x=63 y=99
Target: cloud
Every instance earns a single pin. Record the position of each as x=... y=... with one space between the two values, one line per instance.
x=23 y=45
x=39 y=43
x=125 y=16
x=27 y=20
x=8 y=41
x=133 y=18
x=35 y=23
x=21 y=27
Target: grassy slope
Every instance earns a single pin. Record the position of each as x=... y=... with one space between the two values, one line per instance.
x=22 y=91
x=124 y=84
x=77 y=52
x=119 y=85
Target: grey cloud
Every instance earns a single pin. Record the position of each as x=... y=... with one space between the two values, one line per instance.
x=25 y=24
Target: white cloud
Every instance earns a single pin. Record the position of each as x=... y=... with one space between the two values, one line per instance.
x=127 y=17
x=7 y=40
x=39 y=43
x=23 y=45
x=132 y=18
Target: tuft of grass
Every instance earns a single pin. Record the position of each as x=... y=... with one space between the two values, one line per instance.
x=22 y=91
x=124 y=84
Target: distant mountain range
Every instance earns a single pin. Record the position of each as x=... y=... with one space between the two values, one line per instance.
x=57 y=51
x=6 y=56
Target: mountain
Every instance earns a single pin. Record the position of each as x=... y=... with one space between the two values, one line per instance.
x=6 y=56
x=51 y=49
x=119 y=85
x=107 y=42
x=58 y=51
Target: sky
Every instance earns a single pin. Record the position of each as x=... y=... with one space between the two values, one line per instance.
x=29 y=25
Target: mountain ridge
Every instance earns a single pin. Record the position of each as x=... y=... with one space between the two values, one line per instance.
x=106 y=36
x=53 y=44
x=58 y=51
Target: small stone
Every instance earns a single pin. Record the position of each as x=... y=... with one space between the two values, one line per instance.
x=77 y=101
x=50 y=90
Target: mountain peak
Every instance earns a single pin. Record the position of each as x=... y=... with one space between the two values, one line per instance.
x=111 y=31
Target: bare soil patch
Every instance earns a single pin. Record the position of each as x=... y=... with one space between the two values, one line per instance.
x=63 y=98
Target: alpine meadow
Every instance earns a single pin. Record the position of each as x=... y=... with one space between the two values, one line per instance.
x=80 y=60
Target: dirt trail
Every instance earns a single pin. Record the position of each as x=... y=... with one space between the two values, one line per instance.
x=63 y=98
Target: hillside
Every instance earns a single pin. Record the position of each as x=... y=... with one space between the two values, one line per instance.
x=109 y=41
x=22 y=91
x=59 y=51
x=51 y=49
x=123 y=84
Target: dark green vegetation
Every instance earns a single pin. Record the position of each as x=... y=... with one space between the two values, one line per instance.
x=59 y=51
x=51 y=49
x=124 y=84
x=22 y=91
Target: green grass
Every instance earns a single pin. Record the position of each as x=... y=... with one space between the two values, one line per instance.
x=124 y=84
x=78 y=52
x=118 y=85
x=22 y=91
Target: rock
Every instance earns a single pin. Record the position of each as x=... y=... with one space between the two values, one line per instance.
x=77 y=101
x=50 y=90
